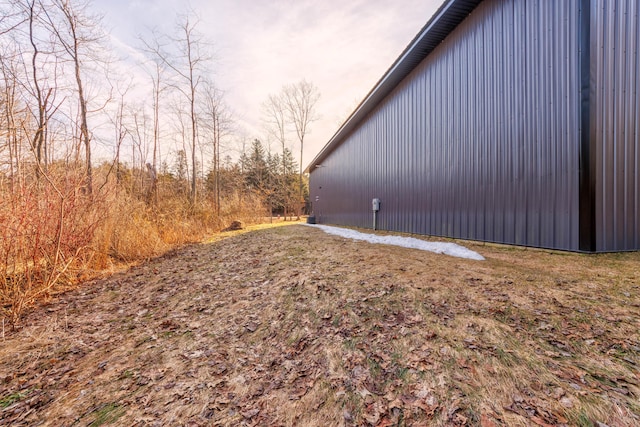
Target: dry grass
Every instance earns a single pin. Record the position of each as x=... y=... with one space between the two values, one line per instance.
x=289 y=326
x=54 y=236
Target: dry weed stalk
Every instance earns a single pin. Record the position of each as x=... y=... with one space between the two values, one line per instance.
x=53 y=235
x=46 y=222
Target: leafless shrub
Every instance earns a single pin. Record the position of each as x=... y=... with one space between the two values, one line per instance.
x=46 y=227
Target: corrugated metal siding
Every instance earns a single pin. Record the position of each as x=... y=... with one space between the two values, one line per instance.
x=615 y=120
x=480 y=141
x=448 y=16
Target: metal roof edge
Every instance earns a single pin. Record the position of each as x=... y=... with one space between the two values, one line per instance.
x=450 y=14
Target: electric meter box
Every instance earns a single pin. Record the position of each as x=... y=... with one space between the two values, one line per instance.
x=375 y=205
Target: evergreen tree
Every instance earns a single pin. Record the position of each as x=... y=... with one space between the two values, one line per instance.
x=289 y=188
x=181 y=170
x=255 y=167
x=273 y=181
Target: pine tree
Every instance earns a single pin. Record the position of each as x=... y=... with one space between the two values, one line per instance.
x=255 y=167
x=289 y=189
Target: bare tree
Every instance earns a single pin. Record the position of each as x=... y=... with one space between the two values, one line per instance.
x=29 y=61
x=9 y=107
x=140 y=143
x=158 y=88
x=188 y=66
x=78 y=34
x=38 y=138
x=276 y=118
x=216 y=121
x=10 y=17
x=300 y=100
x=156 y=73
x=181 y=131
x=42 y=81
x=120 y=132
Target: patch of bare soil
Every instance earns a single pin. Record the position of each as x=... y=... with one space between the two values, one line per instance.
x=290 y=326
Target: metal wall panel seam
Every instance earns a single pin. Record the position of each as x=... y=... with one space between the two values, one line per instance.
x=474 y=185
x=608 y=141
x=636 y=96
x=630 y=230
x=588 y=129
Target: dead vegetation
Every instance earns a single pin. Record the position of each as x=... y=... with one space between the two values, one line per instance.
x=290 y=326
x=53 y=236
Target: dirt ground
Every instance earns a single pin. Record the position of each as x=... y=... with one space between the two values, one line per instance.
x=290 y=326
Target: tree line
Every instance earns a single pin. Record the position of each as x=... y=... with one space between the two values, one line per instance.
x=85 y=144
x=63 y=96
x=274 y=176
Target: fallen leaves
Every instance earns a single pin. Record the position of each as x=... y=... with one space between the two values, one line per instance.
x=535 y=410
x=275 y=328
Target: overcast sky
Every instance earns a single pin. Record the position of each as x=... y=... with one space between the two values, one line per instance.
x=342 y=46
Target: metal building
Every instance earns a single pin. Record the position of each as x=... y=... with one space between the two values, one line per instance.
x=511 y=121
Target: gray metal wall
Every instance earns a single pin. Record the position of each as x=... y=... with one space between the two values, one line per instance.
x=615 y=122
x=481 y=141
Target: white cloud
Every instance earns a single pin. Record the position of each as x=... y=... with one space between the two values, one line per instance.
x=343 y=47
